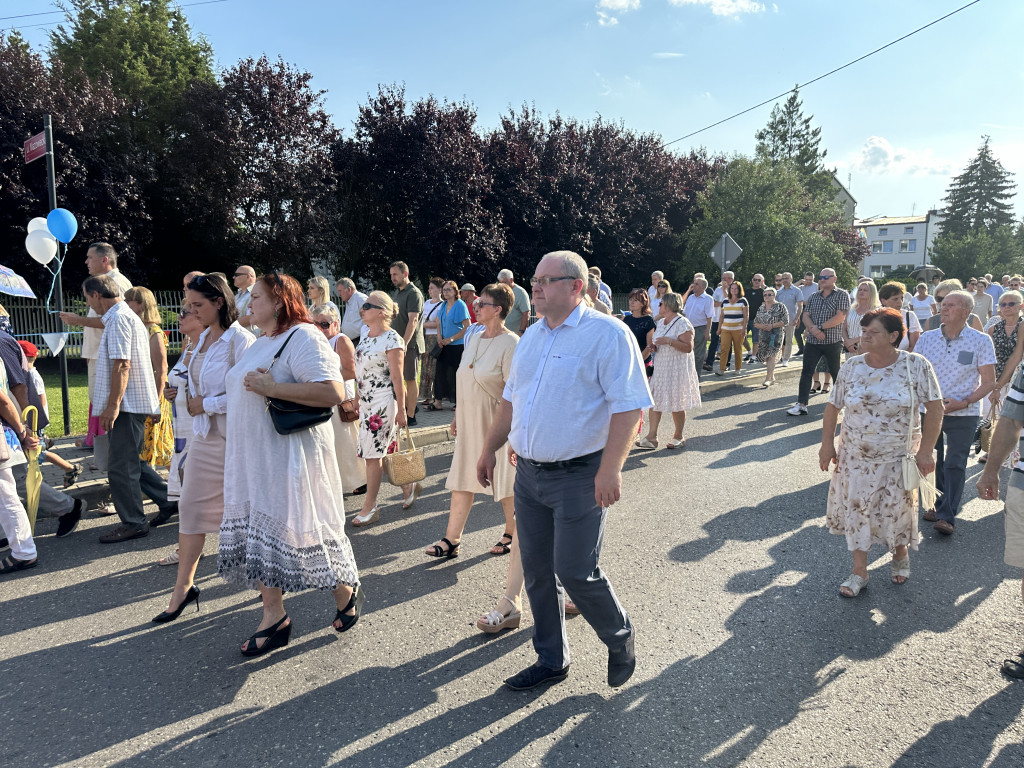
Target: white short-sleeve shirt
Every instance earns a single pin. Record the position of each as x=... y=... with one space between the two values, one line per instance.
x=957 y=362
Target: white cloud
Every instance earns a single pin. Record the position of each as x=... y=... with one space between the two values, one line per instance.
x=605 y=20
x=725 y=7
x=668 y=55
x=619 y=5
x=879 y=157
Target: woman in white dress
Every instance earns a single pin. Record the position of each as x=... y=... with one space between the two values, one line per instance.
x=284 y=516
x=346 y=433
x=674 y=386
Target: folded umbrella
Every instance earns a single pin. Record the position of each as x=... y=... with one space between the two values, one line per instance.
x=34 y=477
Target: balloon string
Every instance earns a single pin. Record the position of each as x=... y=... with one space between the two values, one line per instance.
x=53 y=282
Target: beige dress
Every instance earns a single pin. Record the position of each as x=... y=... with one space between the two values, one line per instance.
x=201 y=505
x=481 y=379
x=346 y=442
x=866 y=499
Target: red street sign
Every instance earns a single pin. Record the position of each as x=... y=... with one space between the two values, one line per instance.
x=35 y=147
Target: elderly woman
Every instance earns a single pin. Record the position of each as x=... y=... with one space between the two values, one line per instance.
x=674 y=386
x=771 y=321
x=431 y=329
x=284 y=516
x=941 y=290
x=1009 y=345
x=894 y=295
x=482 y=375
x=640 y=321
x=319 y=292
x=176 y=392
x=346 y=433
x=454 y=319
x=158 y=443
x=381 y=392
x=201 y=503
x=881 y=392
x=922 y=303
x=594 y=292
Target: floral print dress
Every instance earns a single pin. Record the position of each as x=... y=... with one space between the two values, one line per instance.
x=866 y=499
x=769 y=345
x=377 y=404
x=158 y=444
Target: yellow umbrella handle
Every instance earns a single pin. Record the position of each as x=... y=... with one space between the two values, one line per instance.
x=34 y=423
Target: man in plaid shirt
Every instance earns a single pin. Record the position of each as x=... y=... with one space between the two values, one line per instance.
x=824 y=315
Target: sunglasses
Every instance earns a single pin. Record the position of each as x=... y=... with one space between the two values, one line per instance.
x=1009 y=303
x=662 y=285
x=824 y=277
x=183 y=313
x=240 y=274
x=197 y=282
x=368 y=305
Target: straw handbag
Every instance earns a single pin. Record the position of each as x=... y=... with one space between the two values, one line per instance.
x=405 y=467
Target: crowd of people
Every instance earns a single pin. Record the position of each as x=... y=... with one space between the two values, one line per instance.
x=313 y=396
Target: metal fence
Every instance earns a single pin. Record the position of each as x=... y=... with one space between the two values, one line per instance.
x=30 y=320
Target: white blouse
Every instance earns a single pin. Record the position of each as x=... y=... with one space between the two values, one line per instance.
x=210 y=382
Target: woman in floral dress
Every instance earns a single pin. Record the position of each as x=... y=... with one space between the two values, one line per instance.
x=881 y=391
x=158 y=443
x=771 y=319
x=381 y=392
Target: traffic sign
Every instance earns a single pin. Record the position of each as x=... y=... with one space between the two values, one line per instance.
x=35 y=147
x=725 y=252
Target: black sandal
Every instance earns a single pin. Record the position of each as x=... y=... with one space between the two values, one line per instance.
x=447 y=554
x=505 y=547
x=432 y=407
x=815 y=389
x=276 y=637
x=12 y=564
x=72 y=475
x=349 y=620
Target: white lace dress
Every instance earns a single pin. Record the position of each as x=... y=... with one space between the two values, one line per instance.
x=284 y=516
x=674 y=385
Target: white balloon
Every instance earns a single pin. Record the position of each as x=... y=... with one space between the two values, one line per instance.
x=39 y=222
x=41 y=245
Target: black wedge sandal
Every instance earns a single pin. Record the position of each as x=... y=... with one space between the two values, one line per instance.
x=349 y=620
x=276 y=637
x=447 y=554
x=504 y=546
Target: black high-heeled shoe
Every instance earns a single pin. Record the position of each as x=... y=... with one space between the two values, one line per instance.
x=276 y=637
x=165 y=616
x=348 y=621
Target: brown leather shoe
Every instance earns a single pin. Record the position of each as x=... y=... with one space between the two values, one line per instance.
x=930 y=516
x=946 y=529
x=124 y=533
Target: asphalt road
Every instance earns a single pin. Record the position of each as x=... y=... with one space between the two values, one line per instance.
x=747 y=656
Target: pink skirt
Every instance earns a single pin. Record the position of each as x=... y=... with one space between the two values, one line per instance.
x=201 y=505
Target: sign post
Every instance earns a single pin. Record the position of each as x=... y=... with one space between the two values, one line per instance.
x=726 y=251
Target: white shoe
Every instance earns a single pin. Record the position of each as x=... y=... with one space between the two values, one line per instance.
x=106 y=509
x=676 y=443
x=643 y=442
x=370 y=517
x=797 y=410
x=784 y=364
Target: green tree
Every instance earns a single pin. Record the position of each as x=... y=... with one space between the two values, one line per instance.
x=979 y=198
x=778 y=222
x=790 y=138
x=1000 y=252
x=145 y=46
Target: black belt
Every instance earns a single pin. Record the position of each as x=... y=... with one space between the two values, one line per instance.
x=579 y=461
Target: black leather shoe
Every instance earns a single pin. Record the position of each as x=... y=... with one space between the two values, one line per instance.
x=359 y=491
x=536 y=675
x=124 y=533
x=66 y=524
x=164 y=514
x=621 y=663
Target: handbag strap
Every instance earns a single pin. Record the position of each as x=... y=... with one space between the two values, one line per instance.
x=282 y=348
x=408 y=437
x=910 y=430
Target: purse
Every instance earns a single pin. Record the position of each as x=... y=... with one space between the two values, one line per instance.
x=290 y=417
x=346 y=415
x=405 y=467
x=987 y=429
x=913 y=480
x=435 y=351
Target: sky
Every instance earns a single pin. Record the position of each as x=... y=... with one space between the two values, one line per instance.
x=897 y=126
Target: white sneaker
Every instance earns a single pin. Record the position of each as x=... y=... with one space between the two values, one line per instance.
x=797 y=410
x=784 y=364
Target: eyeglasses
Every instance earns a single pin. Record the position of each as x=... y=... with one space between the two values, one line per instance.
x=485 y=303
x=240 y=274
x=275 y=274
x=183 y=313
x=197 y=281
x=663 y=285
x=758 y=279
x=938 y=299
x=1009 y=303
x=322 y=324
x=825 y=277
x=368 y=305
x=542 y=281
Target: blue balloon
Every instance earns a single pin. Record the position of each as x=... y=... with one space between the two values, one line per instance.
x=62 y=224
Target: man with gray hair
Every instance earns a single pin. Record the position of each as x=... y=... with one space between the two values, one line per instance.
x=569 y=410
x=352 y=324
x=519 y=316
x=792 y=298
x=964 y=360
x=700 y=311
x=824 y=314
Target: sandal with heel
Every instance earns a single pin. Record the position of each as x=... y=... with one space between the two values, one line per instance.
x=275 y=637
x=349 y=620
x=495 y=621
x=447 y=554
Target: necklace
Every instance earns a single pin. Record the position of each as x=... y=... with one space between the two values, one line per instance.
x=477 y=350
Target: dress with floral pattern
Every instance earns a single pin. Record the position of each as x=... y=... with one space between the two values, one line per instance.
x=866 y=499
x=158 y=443
x=377 y=404
x=769 y=344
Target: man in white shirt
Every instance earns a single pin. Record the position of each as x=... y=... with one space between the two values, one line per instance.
x=244 y=280
x=126 y=392
x=100 y=260
x=792 y=298
x=965 y=365
x=352 y=324
x=570 y=410
x=700 y=311
x=519 y=316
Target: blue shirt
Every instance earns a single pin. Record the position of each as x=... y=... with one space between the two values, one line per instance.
x=995 y=291
x=566 y=383
x=451 y=320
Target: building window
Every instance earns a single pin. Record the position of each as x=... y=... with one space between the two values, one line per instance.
x=880 y=270
x=883 y=231
x=908 y=246
x=876 y=246
x=908 y=230
x=887 y=246
x=906 y=267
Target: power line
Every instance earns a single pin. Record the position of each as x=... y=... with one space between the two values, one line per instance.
x=822 y=77
x=55 y=23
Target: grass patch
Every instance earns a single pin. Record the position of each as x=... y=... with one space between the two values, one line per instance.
x=78 y=396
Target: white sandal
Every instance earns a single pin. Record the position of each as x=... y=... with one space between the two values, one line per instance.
x=170 y=559
x=900 y=568
x=370 y=517
x=643 y=442
x=676 y=442
x=855 y=584
x=495 y=621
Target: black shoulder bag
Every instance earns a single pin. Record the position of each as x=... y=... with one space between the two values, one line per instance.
x=290 y=417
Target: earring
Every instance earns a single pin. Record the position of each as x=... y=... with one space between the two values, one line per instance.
x=277 y=313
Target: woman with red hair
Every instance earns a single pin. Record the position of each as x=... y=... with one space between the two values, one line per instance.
x=283 y=525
